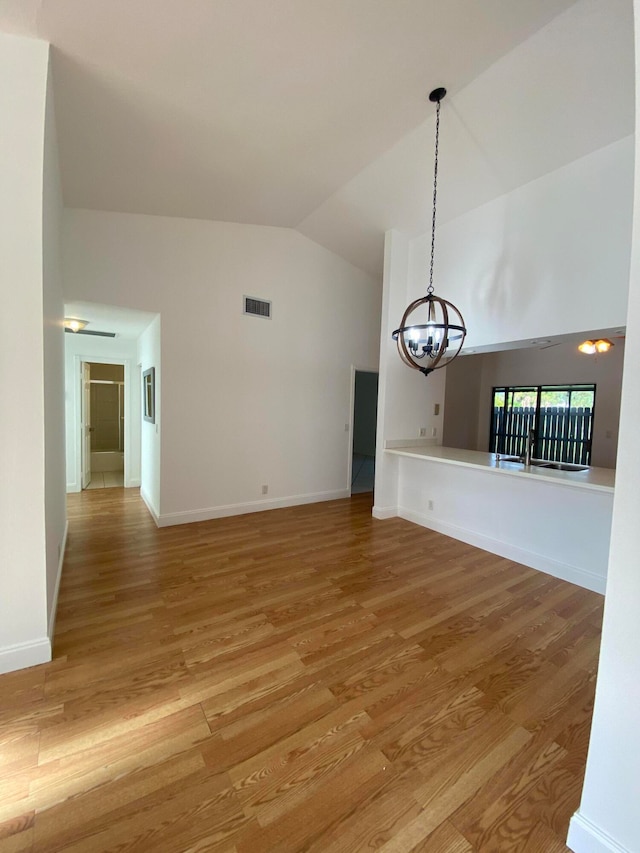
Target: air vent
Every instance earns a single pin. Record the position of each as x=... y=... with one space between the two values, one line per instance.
x=95 y=334
x=257 y=307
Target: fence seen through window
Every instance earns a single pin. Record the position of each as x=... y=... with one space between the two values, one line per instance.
x=561 y=417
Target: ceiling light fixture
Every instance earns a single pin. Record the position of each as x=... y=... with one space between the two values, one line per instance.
x=436 y=332
x=603 y=345
x=74 y=325
x=591 y=347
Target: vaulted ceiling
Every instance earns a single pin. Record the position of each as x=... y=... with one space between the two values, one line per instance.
x=314 y=113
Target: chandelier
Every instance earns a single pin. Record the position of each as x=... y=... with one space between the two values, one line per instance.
x=432 y=330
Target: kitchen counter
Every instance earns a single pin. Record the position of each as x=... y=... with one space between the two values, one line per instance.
x=556 y=521
x=600 y=479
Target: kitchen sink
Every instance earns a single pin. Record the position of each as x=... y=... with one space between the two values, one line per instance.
x=558 y=466
x=562 y=466
x=542 y=463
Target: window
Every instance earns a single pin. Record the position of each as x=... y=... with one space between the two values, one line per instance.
x=561 y=417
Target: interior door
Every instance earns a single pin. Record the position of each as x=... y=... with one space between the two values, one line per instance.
x=85 y=424
x=363 y=449
x=105 y=416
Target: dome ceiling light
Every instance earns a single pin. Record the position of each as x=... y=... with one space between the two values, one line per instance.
x=74 y=325
x=591 y=347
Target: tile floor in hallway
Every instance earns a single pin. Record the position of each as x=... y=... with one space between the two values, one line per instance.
x=106 y=479
x=362 y=474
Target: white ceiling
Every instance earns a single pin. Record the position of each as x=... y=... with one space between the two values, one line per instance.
x=313 y=113
x=564 y=93
x=124 y=322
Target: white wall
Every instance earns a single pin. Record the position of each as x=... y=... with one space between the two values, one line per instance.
x=245 y=401
x=406 y=397
x=149 y=355
x=117 y=350
x=608 y=816
x=559 y=529
x=462 y=403
x=563 y=92
x=28 y=546
x=471 y=379
x=53 y=307
x=549 y=258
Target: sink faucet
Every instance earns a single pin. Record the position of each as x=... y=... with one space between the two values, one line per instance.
x=528 y=448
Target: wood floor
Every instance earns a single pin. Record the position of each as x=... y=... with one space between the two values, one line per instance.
x=301 y=679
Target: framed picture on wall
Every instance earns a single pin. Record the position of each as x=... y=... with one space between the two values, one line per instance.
x=149 y=395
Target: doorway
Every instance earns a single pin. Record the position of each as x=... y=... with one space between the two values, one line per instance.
x=363 y=448
x=103 y=425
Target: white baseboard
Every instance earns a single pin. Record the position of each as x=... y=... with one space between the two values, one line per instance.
x=152 y=510
x=586 y=837
x=73 y=487
x=23 y=655
x=383 y=512
x=564 y=571
x=190 y=516
x=51 y=623
x=132 y=483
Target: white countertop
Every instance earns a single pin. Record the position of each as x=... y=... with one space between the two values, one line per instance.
x=600 y=479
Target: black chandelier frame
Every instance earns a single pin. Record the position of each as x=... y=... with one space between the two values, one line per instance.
x=441 y=337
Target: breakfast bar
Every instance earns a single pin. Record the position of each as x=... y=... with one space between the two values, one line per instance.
x=556 y=521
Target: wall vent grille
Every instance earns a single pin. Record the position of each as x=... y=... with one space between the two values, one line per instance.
x=257 y=307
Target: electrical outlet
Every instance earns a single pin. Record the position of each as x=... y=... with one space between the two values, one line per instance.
x=430 y=504
x=434 y=432
x=423 y=432
x=346 y=427
x=265 y=490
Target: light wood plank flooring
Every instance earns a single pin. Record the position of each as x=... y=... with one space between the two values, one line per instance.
x=301 y=679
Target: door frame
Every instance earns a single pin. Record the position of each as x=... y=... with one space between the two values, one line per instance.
x=85 y=424
x=131 y=371
x=352 y=408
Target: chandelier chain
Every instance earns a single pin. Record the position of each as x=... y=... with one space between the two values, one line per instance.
x=435 y=196
x=431 y=342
